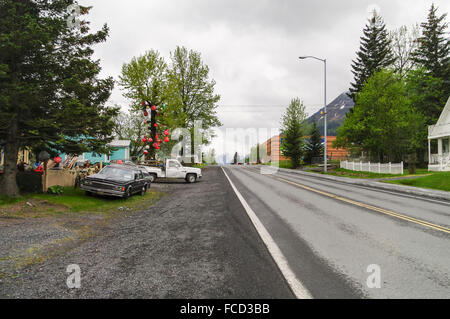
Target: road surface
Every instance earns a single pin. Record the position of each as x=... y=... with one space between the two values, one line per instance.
x=335 y=235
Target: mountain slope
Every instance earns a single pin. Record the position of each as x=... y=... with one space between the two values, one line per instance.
x=336 y=110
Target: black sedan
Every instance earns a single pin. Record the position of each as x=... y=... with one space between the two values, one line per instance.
x=116 y=180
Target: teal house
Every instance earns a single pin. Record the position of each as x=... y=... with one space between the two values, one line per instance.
x=121 y=152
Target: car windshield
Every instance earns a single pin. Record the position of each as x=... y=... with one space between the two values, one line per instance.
x=117 y=173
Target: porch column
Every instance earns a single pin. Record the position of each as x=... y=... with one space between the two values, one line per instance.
x=429 y=152
x=440 y=153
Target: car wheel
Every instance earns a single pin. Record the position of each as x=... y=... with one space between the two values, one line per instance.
x=128 y=193
x=191 y=178
x=143 y=190
x=153 y=178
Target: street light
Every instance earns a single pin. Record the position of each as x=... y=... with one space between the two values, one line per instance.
x=325 y=105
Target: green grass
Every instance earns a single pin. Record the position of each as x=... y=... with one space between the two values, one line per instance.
x=281 y=164
x=440 y=181
x=4 y=200
x=357 y=174
x=75 y=200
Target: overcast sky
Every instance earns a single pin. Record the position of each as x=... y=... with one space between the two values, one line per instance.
x=251 y=47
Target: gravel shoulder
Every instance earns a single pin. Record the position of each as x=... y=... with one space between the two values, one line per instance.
x=197 y=242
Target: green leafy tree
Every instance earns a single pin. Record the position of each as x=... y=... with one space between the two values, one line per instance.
x=293 y=131
x=383 y=122
x=374 y=53
x=50 y=91
x=433 y=52
x=130 y=126
x=315 y=147
x=191 y=91
x=144 y=78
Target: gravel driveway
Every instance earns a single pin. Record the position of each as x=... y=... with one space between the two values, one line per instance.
x=197 y=242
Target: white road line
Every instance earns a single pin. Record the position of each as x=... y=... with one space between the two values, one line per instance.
x=294 y=283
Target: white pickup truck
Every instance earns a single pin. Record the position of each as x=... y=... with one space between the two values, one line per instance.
x=174 y=169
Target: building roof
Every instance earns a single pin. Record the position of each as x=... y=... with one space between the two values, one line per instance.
x=120 y=143
x=442 y=127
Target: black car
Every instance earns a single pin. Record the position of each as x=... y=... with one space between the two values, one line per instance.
x=116 y=180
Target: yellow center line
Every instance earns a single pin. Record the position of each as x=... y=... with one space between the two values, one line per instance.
x=374 y=208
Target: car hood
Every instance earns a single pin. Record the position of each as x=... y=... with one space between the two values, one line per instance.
x=102 y=178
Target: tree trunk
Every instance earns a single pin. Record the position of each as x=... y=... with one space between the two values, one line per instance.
x=8 y=184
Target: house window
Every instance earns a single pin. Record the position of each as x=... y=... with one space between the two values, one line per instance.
x=445 y=146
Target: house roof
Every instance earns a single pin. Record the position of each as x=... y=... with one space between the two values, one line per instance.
x=442 y=127
x=120 y=143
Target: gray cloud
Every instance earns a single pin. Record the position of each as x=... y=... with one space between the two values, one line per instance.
x=252 y=47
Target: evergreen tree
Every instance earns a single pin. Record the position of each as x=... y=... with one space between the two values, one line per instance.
x=293 y=131
x=50 y=92
x=315 y=147
x=374 y=53
x=235 y=158
x=433 y=52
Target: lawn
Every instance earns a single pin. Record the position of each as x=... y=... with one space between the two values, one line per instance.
x=281 y=164
x=440 y=181
x=72 y=200
x=357 y=174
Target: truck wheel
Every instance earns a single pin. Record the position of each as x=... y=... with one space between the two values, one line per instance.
x=191 y=178
x=153 y=178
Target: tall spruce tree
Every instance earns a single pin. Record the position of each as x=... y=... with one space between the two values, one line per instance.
x=293 y=130
x=374 y=53
x=50 y=93
x=433 y=52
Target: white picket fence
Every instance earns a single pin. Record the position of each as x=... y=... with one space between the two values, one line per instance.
x=389 y=168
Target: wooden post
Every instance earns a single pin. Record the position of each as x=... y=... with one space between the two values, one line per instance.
x=390 y=168
x=44 y=177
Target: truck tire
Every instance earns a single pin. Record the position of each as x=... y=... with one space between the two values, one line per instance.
x=153 y=178
x=191 y=178
x=143 y=190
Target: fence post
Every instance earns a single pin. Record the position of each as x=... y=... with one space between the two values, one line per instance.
x=353 y=165
x=402 y=167
x=370 y=168
x=390 y=168
x=379 y=168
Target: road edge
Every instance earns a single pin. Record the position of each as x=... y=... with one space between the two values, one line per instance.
x=294 y=283
x=401 y=189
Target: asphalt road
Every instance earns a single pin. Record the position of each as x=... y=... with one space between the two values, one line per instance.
x=197 y=242
x=331 y=232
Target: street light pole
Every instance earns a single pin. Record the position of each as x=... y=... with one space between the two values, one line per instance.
x=324 y=108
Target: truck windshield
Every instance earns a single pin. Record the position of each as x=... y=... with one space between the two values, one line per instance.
x=117 y=173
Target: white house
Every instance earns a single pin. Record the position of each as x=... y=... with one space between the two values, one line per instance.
x=441 y=133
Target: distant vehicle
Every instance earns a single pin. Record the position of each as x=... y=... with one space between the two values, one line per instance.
x=117 y=180
x=173 y=169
